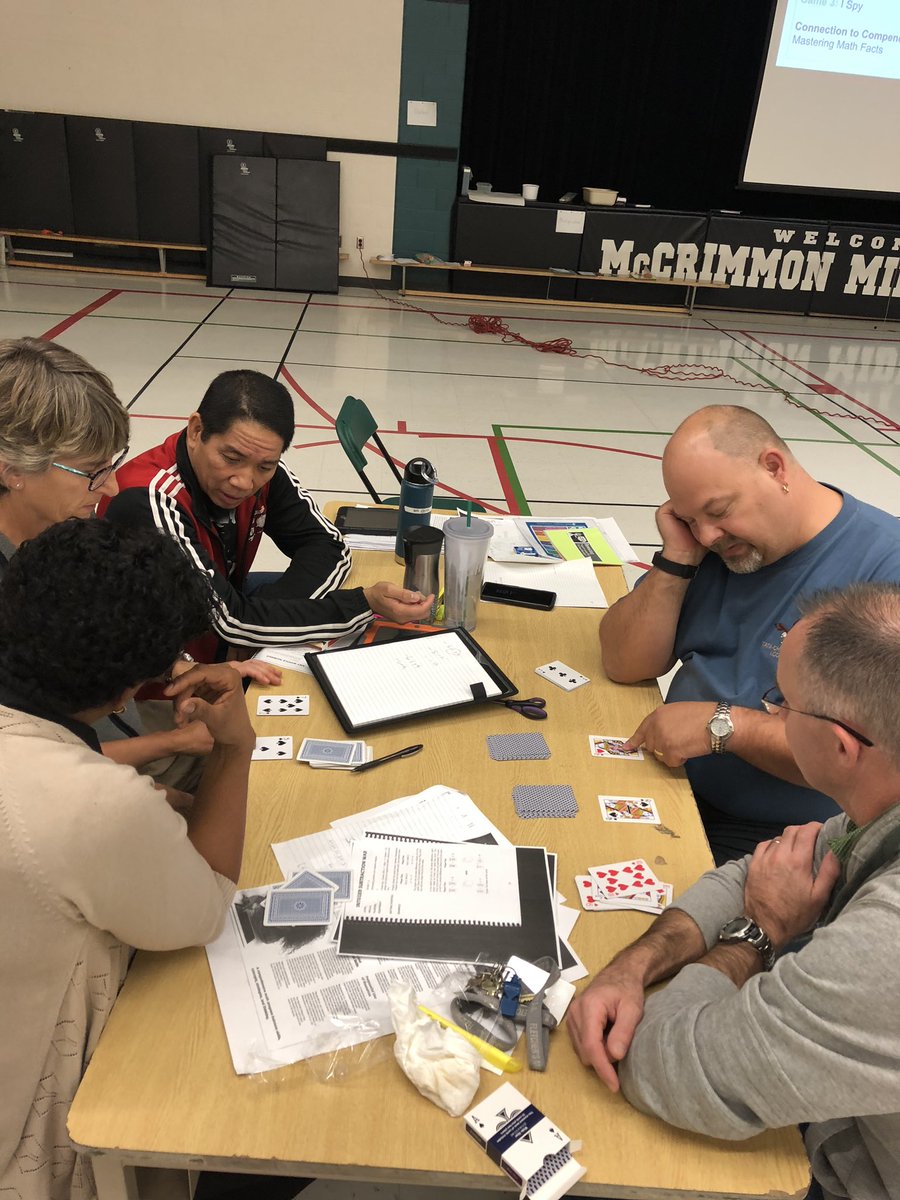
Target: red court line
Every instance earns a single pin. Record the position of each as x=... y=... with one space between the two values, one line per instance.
x=311 y=445
x=82 y=312
x=584 y=446
x=833 y=391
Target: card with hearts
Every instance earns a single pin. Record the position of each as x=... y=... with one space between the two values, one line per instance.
x=605 y=746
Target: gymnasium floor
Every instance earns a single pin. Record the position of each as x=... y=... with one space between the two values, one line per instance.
x=521 y=431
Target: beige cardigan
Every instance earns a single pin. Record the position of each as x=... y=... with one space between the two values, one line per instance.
x=93 y=861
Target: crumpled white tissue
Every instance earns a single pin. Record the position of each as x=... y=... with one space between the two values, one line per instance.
x=443 y=1066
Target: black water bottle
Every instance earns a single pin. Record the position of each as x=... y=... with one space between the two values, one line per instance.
x=416 y=495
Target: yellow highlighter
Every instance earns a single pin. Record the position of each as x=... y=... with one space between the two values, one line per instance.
x=491 y=1054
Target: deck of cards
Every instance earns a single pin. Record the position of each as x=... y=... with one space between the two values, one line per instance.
x=334 y=756
x=630 y=884
x=307 y=898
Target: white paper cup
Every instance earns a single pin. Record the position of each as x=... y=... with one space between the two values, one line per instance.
x=530 y=190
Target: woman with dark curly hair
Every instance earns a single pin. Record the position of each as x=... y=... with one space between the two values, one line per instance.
x=63 y=433
x=93 y=860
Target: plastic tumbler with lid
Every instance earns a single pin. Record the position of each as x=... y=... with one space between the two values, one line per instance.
x=466 y=542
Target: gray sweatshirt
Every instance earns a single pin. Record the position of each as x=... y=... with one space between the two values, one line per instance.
x=815 y=1040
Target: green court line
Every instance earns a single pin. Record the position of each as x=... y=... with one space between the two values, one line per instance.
x=515 y=485
x=825 y=421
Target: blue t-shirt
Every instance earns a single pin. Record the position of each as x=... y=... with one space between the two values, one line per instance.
x=728 y=643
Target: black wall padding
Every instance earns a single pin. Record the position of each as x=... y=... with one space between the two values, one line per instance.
x=309 y=195
x=239 y=142
x=242 y=250
x=167 y=170
x=293 y=145
x=101 y=170
x=34 y=173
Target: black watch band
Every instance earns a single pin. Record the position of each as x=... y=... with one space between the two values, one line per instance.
x=682 y=570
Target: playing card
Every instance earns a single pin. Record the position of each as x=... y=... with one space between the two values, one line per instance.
x=341 y=880
x=564 y=677
x=317 y=750
x=624 y=879
x=629 y=808
x=604 y=746
x=274 y=747
x=362 y=752
x=587 y=892
x=311 y=907
x=282 y=706
x=305 y=881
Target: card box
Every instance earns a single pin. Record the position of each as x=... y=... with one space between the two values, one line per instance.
x=523 y=1143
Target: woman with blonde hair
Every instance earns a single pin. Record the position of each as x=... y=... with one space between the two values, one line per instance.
x=63 y=433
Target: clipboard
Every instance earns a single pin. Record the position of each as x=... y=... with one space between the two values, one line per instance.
x=393 y=681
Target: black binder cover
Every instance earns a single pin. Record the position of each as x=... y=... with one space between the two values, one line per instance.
x=317 y=663
x=445 y=941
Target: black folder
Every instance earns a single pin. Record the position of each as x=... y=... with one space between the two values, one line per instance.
x=449 y=941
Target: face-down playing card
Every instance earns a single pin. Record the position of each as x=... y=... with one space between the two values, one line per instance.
x=310 y=907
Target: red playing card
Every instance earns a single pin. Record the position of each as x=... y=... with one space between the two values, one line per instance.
x=586 y=892
x=624 y=878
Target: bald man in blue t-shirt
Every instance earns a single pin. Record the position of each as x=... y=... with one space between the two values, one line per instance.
x=745 y=531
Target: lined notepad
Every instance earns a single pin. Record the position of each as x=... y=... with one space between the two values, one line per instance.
x=392 y=680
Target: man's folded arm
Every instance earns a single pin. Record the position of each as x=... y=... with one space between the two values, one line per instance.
x=812 y=1040
x=258 y=620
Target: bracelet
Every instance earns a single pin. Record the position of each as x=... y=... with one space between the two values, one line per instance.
x=182 y=657
x=681 y=570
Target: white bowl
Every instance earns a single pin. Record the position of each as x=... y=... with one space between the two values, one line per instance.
x=599 y=195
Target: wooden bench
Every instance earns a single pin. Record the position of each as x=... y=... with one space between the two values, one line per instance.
x=690 y=286
x=8 y=253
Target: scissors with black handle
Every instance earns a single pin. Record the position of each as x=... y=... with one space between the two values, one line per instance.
x=535 y=708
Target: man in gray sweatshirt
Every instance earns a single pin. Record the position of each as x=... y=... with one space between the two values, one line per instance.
x=743 y=1040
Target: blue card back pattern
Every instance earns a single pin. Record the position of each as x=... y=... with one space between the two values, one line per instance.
x=312 y=907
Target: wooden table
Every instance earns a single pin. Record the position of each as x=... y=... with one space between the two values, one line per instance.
x=161 y=1091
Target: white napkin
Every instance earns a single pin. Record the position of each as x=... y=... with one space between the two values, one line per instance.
x=443 y=1066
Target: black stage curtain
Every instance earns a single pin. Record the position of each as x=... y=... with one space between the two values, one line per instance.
x=652 y=97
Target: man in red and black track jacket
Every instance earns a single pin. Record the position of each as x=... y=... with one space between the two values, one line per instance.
x=216 y=487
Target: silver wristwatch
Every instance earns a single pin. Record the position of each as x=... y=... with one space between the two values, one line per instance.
x=742 y=929
x=720 y=726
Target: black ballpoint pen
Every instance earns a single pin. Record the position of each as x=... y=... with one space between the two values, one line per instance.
x=376 y=762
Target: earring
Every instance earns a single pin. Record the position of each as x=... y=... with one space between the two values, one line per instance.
x=785 y=488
